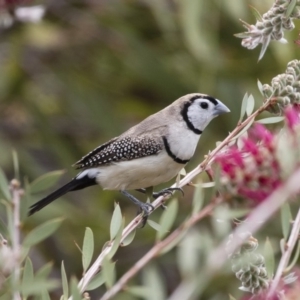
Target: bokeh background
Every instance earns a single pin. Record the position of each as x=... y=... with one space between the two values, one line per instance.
x=88 y=71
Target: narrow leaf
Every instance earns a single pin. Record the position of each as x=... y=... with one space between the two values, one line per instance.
x=16 y=164
x=270 y=120
x=27 y=276
x=117 y=241
x=97 y=281
x=154 y=225
x=42 y=232
x=198 y=199
x=286 y=218
x=45 y=296
x=153 y=280
x=108 y=269
x=87 y=248
x=129 y=238
x=39 y=286
x=269 y=258
x=260 y=87
x=256 y=13
x=231 y=297
x=116 y=222
x=290 y=8
x=139 y=291
x=4 y=186
x=74 y=289
x=45 y=181
x=264 y=47
x=295 y=259
x=44 y=271
x=250 y=105
x=167 y=219
x=64 y=279
x=244 y=106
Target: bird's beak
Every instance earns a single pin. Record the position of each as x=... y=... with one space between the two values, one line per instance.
x=220 y=109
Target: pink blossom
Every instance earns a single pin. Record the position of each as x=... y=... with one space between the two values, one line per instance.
x=252 y=171
x=292 y=116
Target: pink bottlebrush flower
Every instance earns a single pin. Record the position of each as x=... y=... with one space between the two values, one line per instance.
x=292 y=116
x=252 y=171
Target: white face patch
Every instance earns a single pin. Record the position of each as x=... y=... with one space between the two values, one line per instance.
x=200 y=113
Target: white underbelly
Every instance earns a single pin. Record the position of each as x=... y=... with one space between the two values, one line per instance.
x=138 y=173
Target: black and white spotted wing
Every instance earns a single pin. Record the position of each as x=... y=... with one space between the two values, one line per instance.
x=115 y=150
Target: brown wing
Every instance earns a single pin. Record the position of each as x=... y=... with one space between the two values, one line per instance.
x=120 y=149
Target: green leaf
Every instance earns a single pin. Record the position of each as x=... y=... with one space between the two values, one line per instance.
x=290 y=8
x=64 y=279
x=117 y=241
x=167 y=219
x=255 y=13
x=154 y=225
x=42 y=232
x=45 y=181
x=44 y=271
x=139 y=291
x=116 y=221
x=286 y=218
x=87 y=248
x=244 y=106
x=28 y=276
x=198 y=199
x=182 y=172
x=108 y=270
x=39 y=286
x=270 y=120
x=295 y=259
x=260 y=87
x=250 y=105
x=74 y=289
x=129 y=238
x=97 y=281
x=4 y=186
x=153 y=280
x=45 y=296
x=269 y=258
x=16 y=164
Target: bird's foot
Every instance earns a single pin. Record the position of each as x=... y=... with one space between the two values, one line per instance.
x=168 y=191
x=145 y=209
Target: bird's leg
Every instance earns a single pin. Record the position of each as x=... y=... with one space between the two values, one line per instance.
x=169 y=191
x=146 y=208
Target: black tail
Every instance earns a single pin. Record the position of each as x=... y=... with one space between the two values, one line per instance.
x=73 y=185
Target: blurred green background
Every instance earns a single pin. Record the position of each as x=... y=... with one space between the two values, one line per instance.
x=90 y=70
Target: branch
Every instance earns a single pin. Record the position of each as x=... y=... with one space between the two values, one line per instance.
x=257 y=219
x=287 y=254
x=92 y=271
x=16 y=193
x=157 y=248
x=254 y=222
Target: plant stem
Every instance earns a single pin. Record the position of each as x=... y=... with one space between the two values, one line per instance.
x=158 y=247
x=287 y=254
x=95 y=267
x=16 y=192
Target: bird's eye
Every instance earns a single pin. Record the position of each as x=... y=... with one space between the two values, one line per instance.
x=204 y=105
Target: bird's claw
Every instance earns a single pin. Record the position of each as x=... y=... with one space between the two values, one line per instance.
x=169 y=191
x=146 y=209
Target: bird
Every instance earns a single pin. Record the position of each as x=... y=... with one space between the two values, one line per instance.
x=146 y=155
